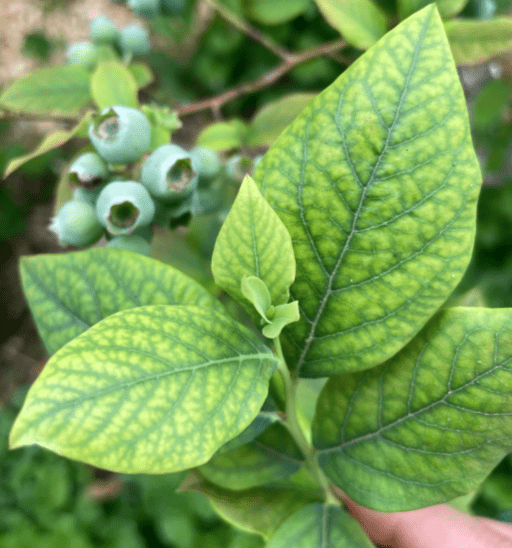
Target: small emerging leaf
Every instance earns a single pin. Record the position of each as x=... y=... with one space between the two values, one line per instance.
x=284 y=314
x=255 y=291
x=154 y=390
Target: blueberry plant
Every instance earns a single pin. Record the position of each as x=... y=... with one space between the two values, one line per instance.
x=343 y=243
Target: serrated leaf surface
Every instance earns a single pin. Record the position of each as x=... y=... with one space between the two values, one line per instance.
x=377 y=183
x=153 y=390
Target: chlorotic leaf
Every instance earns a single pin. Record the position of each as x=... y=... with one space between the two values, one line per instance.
x=56 y=90
x=68 y=293
x=269 y=122
x=253 y=242
x=476 y=42
x=447 y=8
x=360 y=22
x=429 y=424
x=50 y=142
x=153 y=390
x=114 y=84
x=377 y=182
x=319 y=525
x=258 y=510
x=272 y=456
x=223 y=135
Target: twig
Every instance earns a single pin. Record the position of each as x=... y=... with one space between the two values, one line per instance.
x=255 y=34
x=264 y=81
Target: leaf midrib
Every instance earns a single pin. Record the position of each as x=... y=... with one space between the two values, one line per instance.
x=330 y=280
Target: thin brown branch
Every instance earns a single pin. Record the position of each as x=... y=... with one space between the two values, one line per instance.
x=252 y=32
x=264 y=81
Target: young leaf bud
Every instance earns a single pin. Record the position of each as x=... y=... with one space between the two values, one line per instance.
x=145 y=8
x=103 y=30
x=237 y=167
x=76 y=224
x=124 y=206
x=131 y=242
x=168 y=174
x=134 y=40
x=82 y=54
x=206 y=162
x=88 y=171
x=120 y=134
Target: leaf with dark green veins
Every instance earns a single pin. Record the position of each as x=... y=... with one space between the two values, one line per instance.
x=320 y=525
x=476 y=42
x=377 y=183
x=50 y=142
x=114 y=84
x=153 y=390
x=258 y=510
x=447 y=8
x=274 y=117
x=69 y=292
x=270 y=457
x=360 y=22
x=253 y=242
x=429 y=424
x=57 y=90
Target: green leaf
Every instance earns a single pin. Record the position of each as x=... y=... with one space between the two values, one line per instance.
x=269 y=122
x=490 y=103
x=142 y=74
x=258 y=510
x=50 y=142
x=270 y=457
x=476 y=42
x=360 y=22
x=377 y=183
x=56 y=91
x=152 y=390
x=164 y=122
x=320 y=525
x=68 y=293
x=447 y=8
x=429 y=424
x=253 y=242
x=114 y=84
x=282 y=315
x=274 y=12
x=257 y=293
x=224 y=135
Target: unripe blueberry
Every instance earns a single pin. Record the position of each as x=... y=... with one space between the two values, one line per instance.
x=134 y=40
x=82 y=54
x=120 y=134
x=103 y=30
x=145 y=8
x=206 y=162
x=237 y=167
x=173 y=7
x=88 y=195
x=124 y=206
x=168 y=174
x=88 y=170
x=131 y=242
x=76 y=224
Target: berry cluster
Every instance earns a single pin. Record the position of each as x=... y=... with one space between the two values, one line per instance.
x=172 y=184
x=107 y=40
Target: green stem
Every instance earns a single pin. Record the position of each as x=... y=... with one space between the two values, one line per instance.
x=292 y=423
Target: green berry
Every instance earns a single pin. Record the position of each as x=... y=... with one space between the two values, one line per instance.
x=124 y=206
x=168 y=174
x=145 y=8
x=237 y=167
x=173 y=7
x=82 y=54
x=88 y=195
x=103 y=30
x=134 y=40
x=131 y=242
x=76 y=224
x=88 y=170
x=206 y=162
x=120 y=134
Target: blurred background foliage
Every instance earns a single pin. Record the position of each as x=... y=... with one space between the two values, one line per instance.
x=47 y=501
